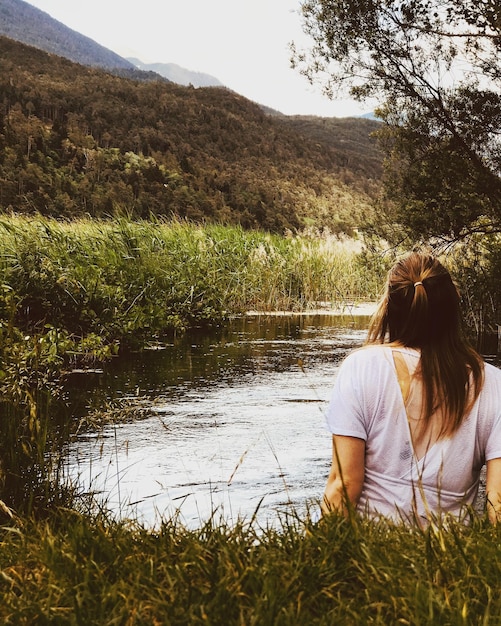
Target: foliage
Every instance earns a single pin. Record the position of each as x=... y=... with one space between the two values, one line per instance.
x=77 y=569
x=435 y=67
x=29 y=369
x=476 y=268
x=125 y=282
x=81 y=142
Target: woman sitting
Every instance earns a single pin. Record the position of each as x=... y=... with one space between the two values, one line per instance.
x=416 y=413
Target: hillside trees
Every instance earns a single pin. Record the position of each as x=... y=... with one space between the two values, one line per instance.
x=78 y=141
x=435 y=67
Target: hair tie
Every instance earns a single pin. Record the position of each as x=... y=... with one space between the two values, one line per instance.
x=418 y=283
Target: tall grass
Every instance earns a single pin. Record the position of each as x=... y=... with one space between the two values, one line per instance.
x=127 y=281
x=75 y=569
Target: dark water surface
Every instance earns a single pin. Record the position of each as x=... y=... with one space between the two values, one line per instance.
x=235 y=422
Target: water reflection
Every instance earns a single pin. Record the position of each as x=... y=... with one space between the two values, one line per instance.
x=236 y=421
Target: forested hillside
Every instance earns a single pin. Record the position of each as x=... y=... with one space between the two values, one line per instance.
x=80 y=141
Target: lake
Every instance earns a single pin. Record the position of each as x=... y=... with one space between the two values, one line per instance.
x=234 y=422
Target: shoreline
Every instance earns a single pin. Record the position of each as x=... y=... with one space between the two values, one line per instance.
x=352 y=310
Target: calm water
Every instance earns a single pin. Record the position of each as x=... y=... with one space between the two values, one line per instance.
x=235 y=422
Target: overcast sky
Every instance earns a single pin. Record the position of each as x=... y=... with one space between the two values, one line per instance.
x=243 y=43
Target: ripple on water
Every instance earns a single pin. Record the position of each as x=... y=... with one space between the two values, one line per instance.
x=236 y=424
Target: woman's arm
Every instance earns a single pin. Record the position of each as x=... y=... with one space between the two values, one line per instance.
x=493 y=489
x=346 y=476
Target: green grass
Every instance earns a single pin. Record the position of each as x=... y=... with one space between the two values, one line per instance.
x=76 y=569
x=126 y=282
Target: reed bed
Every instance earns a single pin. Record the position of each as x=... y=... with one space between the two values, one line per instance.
x=76 y=569
x=127 y=281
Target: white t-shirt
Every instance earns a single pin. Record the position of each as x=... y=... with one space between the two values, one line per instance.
x=367 y=403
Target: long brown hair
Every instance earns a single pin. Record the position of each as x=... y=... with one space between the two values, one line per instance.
x=421 y=309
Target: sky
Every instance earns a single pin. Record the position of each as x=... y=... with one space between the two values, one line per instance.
x=243 y=43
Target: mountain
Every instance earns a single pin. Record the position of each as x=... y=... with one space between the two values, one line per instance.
x=76 y=140
x=25 y=23
x=177 y=74
x=357 y=155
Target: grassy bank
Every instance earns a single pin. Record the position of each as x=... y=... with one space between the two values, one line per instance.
x=80 y=570
x=129 y=281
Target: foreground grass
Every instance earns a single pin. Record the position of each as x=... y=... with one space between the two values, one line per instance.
x=79 y=570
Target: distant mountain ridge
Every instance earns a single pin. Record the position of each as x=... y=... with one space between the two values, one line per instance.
x=23 y=22
x=103 y=137
x=177 y=74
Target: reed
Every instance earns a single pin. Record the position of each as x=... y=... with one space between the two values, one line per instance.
x=81 y=569
x=127 y=281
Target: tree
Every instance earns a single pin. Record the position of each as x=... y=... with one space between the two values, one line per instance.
x=436 y=67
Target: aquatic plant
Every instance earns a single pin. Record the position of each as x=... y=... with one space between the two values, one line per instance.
x=126 y=281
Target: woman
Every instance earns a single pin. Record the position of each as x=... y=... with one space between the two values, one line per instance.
x=415 y=414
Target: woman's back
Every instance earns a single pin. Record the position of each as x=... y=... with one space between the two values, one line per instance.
x=416 y=414
x=411 y=472
x=423 y=435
